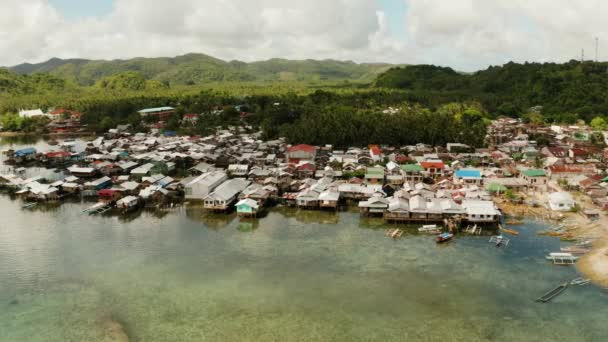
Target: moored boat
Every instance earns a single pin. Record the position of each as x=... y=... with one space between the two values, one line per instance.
x=553 y=293
x=509 y=231
x=431 y=229
x=444 y=237
x=562 y=258
x=580 y=281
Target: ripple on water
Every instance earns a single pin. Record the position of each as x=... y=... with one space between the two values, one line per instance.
x=325 y=277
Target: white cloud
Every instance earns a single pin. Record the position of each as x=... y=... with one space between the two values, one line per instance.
x=464 y=34
x=229 y=29
x=471 y=34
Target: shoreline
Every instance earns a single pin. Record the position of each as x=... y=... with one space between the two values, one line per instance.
x=593 y=265
x=26 y=134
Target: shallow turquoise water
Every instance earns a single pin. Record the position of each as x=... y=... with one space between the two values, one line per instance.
x=291 y=276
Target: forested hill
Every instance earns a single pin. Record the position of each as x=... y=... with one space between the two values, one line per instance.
x=511 y=89
x=193 y=69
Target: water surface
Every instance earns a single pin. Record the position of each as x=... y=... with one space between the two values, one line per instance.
x=292 y=276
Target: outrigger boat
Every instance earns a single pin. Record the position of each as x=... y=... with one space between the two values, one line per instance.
x=443 y=237
x=553 y=293
x=499 y=241
x=562 y=258
x=431 y=229
x=394 y=233
x=580 y=281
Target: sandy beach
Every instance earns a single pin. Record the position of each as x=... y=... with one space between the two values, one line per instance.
x=593 y=265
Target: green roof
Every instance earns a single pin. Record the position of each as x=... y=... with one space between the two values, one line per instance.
x=375 y=171
x=605 y=179
x=412 y=168
x=534 y=173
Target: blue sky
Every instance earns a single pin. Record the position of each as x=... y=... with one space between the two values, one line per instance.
x=75 y=9
x=395 y=13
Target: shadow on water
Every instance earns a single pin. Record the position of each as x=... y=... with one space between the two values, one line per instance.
x=20 y=140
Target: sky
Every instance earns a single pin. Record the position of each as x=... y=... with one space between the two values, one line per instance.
x=466 y=35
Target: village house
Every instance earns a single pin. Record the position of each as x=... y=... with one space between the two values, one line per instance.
x=534 y=178
x=198 y=188
x=480 y=211
x=247 y=207
x=238 y=170
x=561 y=201
x=412 y=173
x=297 y=153
x=225 y=194
x=160 y=113
x=374 y=206
x=374 y=175
x=468 y=177
x=329 y=199
x=31 y=113
x=433 y=168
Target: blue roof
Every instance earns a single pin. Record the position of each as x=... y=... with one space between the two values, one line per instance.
x=25 y=151
x=468 y=173
x=170 y=133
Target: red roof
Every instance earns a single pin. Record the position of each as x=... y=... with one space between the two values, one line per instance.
x=191 y=115
x=56 y=154
x=306 y=166
x=375 y=151
x=565 y=169
x=61 y=111
x=436 y=165
x=578 y=152
x=302 y=147
x=106 y=192
x=402 y=158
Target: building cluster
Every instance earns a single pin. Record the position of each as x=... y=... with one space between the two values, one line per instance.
x=560 y=159
x=61 y=120
x=234 y=169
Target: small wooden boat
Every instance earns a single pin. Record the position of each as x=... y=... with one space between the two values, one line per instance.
x=514 y=222
x=509 y=231
x=29 y=205
x=553 y=293
x=575 y=250
x=431 y=229
x=444 y=237
x=580 y=281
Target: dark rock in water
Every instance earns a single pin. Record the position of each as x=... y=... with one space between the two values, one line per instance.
x=14 y=302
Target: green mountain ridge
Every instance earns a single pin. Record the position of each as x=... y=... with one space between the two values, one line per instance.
x=561 y=88
x=195 y=69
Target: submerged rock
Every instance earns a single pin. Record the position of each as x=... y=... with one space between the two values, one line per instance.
x=116 y=331
x=14 y=302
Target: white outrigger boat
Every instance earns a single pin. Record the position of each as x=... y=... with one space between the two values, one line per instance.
x=499 y=241
x=580 y=281
x=562 y=258
x=430 y=229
